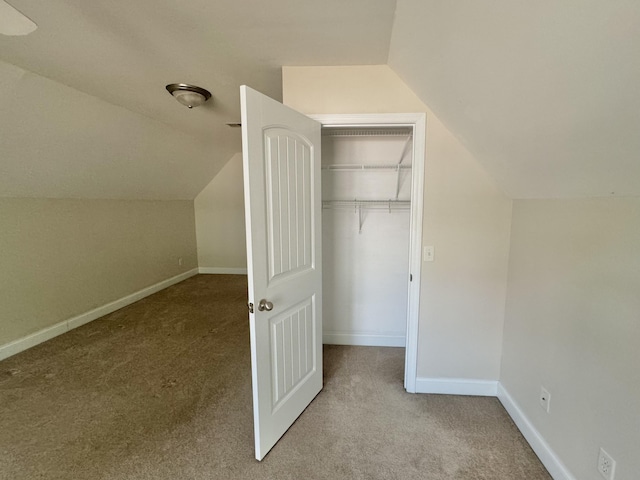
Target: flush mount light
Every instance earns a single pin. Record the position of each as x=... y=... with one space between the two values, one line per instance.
x=188 y=95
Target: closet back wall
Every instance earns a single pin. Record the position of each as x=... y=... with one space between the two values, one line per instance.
x=365 y=247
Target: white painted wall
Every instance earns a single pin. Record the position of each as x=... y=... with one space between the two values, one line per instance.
x=365 y=273
x=61 y=258
x=573 y=325
x=466 y=218
x=220 y=228
x=57 y=142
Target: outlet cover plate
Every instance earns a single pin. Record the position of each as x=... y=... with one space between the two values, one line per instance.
x=606 y=465
x=545 y=399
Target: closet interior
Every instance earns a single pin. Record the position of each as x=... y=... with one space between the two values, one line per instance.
x=366 y=200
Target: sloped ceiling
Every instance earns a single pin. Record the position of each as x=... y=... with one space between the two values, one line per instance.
x=125 y=52
x=543 y=93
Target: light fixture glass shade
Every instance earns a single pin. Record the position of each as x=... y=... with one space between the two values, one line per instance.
x=188 y=95
x=190 y=99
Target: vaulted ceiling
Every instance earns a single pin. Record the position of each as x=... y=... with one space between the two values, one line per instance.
x=543 y=93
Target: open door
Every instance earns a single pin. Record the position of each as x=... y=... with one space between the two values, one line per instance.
x=281 y=162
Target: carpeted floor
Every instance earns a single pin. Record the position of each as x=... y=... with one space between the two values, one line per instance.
x=162 y=390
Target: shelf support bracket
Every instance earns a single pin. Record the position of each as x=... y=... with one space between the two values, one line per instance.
x=399 y=166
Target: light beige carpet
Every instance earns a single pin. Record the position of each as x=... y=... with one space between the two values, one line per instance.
x=161 y=390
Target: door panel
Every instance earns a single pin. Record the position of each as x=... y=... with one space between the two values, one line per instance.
x=289 y=214
x=281 y=155
x=292 y=353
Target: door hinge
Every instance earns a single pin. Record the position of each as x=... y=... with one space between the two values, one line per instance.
x=411 y=277
x=250 y=305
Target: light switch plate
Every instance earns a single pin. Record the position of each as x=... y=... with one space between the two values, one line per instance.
x=428 y=253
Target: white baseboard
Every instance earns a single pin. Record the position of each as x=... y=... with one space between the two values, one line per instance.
x=547 y=456
x=48 y=333
x=222 y=271
x=457 y=386
x=363 y=340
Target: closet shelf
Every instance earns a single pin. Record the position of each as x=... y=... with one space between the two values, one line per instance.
x=368 y=132
x=368 y=204
x=356 y=167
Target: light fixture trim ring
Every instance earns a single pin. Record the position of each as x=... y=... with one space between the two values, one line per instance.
x=174 y=87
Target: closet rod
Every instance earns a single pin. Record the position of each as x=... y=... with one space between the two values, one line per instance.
x=359 y=205
x=355 y=167
x=369 y=204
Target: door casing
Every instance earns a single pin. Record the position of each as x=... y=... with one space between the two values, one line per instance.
x=418 y=122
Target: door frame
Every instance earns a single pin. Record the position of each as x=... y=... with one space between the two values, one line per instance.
x=418 y=122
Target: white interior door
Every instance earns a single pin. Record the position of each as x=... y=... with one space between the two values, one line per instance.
x=281 y=161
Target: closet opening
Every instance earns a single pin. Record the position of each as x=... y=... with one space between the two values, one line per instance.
x=372 y=169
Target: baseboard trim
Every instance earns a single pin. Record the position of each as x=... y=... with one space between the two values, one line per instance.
x=457 y=386
x=48 y=333
x=363 y=340
x=545 y=453
x=222 y=271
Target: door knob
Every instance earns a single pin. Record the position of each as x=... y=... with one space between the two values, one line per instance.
x=265 y=305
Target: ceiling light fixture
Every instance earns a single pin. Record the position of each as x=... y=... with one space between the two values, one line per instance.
x=188 y=95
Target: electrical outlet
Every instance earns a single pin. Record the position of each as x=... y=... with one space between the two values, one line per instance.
x=545 y=399
x=606 y=465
